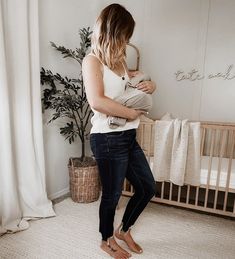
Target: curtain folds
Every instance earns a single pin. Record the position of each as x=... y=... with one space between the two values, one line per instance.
x=22 y=167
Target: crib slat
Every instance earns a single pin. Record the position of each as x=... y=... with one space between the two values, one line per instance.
x=187 y=197
x=221 y=152
x=149 y=144
x=179 y=193
x=152 y=142
x=209 y=167
x=203 y=140
x=227 y=154
x=170 y=195
x=162 y=190
x=229 y=172
x=142 y=126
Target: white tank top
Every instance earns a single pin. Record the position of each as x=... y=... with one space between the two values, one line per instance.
x=114 y=86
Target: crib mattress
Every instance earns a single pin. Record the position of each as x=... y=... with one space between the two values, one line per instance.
x=214 y=172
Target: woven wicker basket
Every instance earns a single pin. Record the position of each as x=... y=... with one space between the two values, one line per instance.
x=84 y=182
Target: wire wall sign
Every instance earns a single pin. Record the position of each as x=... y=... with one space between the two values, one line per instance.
x=194 y=75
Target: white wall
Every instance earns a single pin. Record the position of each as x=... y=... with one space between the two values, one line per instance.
x=171 y=35
x=182 y=35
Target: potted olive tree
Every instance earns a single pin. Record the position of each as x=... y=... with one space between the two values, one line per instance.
x=66 y=97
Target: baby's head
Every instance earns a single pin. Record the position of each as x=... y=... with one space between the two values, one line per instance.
x=137 y=78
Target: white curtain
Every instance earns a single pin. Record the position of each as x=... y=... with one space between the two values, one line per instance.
x=22 y=169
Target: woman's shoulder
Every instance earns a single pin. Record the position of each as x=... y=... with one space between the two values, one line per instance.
x=90 y=57
x=90 y=60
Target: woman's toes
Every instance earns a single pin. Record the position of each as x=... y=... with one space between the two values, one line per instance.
x=116 y=246
x=114 y=250
x=126 y=236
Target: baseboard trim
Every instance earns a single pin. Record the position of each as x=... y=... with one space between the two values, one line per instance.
x=58 y=194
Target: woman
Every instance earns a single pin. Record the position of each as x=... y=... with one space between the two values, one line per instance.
x=117 y=153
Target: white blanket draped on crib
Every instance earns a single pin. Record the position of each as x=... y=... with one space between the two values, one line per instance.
x=177 y=152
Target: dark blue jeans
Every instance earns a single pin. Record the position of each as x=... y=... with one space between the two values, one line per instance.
x=118 y=155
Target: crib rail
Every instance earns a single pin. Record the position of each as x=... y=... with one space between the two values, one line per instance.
x=217 y=193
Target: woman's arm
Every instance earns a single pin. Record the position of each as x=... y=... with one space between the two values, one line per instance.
x=93 y=81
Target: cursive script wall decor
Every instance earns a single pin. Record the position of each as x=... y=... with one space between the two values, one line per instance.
x=194 y=75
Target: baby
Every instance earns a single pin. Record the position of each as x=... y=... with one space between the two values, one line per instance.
x=132 y=98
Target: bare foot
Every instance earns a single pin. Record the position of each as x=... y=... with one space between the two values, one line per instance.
x=126 y=237
x=113 y=249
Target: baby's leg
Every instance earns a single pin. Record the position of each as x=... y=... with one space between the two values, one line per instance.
x=114 y=122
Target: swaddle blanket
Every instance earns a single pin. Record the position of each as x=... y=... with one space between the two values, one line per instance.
x=177 y=152
x=133 y=98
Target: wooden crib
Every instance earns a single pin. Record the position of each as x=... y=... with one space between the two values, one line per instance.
x=216 y=193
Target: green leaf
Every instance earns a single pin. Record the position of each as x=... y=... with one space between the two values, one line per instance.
x=66 y=96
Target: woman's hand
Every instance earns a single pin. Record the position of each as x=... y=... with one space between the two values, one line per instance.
x=147 y=86
x=135 y=114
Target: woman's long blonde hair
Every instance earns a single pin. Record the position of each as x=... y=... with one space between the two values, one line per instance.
x=113 y=29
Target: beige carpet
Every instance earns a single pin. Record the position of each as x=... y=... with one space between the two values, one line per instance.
x=163 y=232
